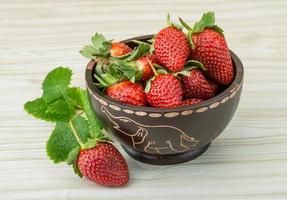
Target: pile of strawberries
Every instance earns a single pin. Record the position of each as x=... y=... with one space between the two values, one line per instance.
x=180 y=66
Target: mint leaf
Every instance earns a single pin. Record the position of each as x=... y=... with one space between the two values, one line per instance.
x=63 y=139
x=60 y=107
x=38 y=108
x=55 y=83
x=95 y=128
x=60 y=103
x=61 y=142
x=138 y=52
x=81 y=126
x=74 y=96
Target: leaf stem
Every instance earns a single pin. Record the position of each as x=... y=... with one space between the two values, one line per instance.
x=74 y=130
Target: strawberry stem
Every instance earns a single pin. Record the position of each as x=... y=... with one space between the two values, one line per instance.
x=75 y=131
x=168 y=20
x=137 y=41
x=152 y=67
x=185 y=25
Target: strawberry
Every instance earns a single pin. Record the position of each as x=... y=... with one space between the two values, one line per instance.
x=171 y=48
x=210 y=48
x=119 y=49
x=197 y=86
x=189 y=102
x=127 y=92
x=165 y=91
x=143 y=65
x=103 y=164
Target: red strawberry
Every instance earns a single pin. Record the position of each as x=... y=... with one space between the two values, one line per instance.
x=197 y=86
x=127 y=92
x=143 y=65
x=165 y=91
x=210 y=48
x=119 y=49
x=104 y=164
x=189 y=102
x=171 y=48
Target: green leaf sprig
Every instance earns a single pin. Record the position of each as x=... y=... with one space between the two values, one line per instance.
x=77 y=126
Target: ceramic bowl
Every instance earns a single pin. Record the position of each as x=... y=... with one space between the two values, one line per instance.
x=166 y=136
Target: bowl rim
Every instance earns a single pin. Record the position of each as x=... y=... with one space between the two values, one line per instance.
x=233 y=87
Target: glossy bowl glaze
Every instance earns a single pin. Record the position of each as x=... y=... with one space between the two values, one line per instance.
x=166 y=136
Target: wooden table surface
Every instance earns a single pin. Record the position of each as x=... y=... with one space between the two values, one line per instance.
x=247 y=161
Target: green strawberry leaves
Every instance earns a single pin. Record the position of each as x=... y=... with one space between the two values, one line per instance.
x=148 y=84
x=195 y=63
x=138 y=52
x=117 y=71
x=100 y=47
x=110 y=70
x=207 y=21
x=69 y=107
x=73 y=155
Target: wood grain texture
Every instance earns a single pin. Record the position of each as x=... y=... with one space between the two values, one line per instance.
x=249 y=159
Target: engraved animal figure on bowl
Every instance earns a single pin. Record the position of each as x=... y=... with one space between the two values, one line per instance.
x=145 y=136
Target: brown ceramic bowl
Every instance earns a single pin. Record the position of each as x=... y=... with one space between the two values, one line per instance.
x=166 y=136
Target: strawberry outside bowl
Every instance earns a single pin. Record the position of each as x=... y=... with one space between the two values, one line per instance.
x=164 y=136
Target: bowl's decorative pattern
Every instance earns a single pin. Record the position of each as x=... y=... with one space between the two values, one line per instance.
x=144 y=135
x=172 y=114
